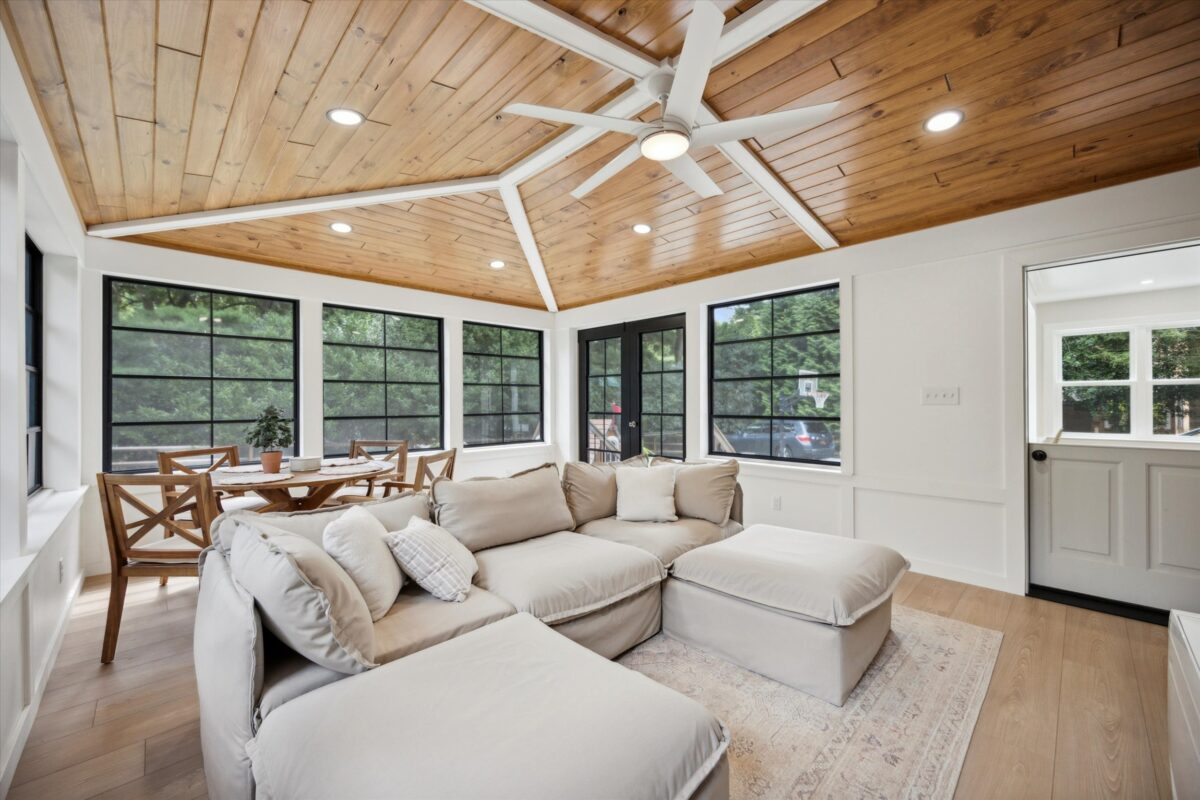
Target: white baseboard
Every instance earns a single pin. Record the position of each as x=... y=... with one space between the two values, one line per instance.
x=42 y=676
x=950 y=572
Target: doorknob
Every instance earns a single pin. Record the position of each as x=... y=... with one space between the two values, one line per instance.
x=1038 y=455
x=633 y=423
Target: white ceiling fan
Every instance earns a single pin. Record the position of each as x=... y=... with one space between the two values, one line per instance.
x=680 y=91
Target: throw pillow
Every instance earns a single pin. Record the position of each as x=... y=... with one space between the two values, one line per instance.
x=488 y=512
x=646 y=495
x=355 y=541
x=431 y=556
x=304 y=597
x=591 y=490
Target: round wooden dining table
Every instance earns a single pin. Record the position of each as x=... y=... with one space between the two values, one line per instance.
x=318 y=487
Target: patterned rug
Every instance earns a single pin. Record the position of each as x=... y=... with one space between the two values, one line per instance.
x=903 y=732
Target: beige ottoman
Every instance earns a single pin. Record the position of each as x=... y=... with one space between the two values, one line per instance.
x=806 y=609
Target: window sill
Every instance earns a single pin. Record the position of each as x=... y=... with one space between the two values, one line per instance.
x=496 y=450
x=46 y=512
x=1140 y=444
x=777 y=469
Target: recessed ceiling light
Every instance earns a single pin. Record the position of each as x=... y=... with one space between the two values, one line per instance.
x=497 y=264
x=344 y=116
x=641 y=227
x=340 y=227
x=943 y=121
x=1148 y=281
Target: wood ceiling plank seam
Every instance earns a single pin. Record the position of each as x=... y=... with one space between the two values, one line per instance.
x=130 y=28
x=42 y=70
x=337 y=175
x=231 y=27
x=373 y=22
x=1158 y=22
x=193 y=192
x=174 y=95
x=477 y=203
x=182 y=25
x=79 y=30
x=275 y=35
x=453 y=212
x=273 y=152
x=469 y=60
x=136 y=140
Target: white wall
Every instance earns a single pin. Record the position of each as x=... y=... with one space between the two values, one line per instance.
x=944 y=307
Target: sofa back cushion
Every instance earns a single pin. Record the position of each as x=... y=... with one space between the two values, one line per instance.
x=488 y=512
x=304 y=597
x=394 y=512
x=591 y=490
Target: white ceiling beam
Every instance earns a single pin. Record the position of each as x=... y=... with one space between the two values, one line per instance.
x=520 y=222
x=288 y=208
x=766 y=18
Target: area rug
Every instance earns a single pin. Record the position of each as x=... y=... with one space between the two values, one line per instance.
x=903 y=732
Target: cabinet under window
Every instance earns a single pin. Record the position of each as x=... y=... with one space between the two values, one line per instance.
x=191 y=368
x=631 y=392
x=383 y=378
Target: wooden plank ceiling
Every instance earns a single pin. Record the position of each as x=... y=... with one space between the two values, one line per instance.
x=173 y=106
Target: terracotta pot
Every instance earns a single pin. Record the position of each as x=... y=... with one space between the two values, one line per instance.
x=271 y=460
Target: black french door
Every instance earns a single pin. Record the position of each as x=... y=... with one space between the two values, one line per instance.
x=631 y=390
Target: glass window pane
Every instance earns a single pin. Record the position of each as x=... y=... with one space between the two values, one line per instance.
x=672 y=396
x=235 y=433
x=352 y=363
x=522 y=427
x=522 y=370
x=419 y=333
x=1177 y=410
x=652 y=433
x=33 y=399
x=652 y=351
x=802 y=355
x=238 y=315
x=742 y=359
x=33 y=461
x=411 y=400
x=742 y=321
x=807 y=312
x=354 y=400
x=524 y=398
x=742 y=398
x=482 y=399
x=410 y=365
x=1096 y=357
x=612 y=395
x=672 y=436
x=421 y=433
x=811 y=397
x=237 y=400
x=520 y=342
x=352 y=326
x=340 y=432
x=136 y=305
x=251 y=358
x=596 y=399
x=750 y=437
x=160 y=400
x=1095 y=409
x=652 y=393
x=1176 y=352
x=30 y=339
x=136 y=447
x=482 y=430
x=160 y=354
x=596 y=357
x=612 y=356
x=672 y=352
x=481 y=369
x=807 y=440
x=481 y=338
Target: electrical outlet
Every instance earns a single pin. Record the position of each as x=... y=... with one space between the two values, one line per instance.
x=776 y=503
x=939 y=396
x=61 y=571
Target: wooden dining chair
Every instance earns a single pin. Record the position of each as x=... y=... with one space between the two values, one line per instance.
x=427 y=469
x=396 y=451
x=128 y=520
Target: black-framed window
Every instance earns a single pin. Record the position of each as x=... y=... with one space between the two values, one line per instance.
x=502 y=385
x=190 y=368
x=383 y=378
x=774 y=377
x=632 y=392
x=33 y=366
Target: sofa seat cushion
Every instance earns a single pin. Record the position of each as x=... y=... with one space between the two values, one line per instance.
x=512 y=710
x=831 y=579
x=566 y=575
x=666 y=541
x=419 y=620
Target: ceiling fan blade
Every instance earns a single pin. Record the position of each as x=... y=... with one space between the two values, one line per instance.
x=687 y=170
x=575 y=118
x=691 y=71
x=793 y=120
x=622 y=160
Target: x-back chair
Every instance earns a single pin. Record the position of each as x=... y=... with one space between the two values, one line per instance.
x=396 y=450
x=428 y=468
x=129 y=520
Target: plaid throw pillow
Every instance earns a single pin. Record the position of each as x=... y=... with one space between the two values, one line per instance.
x=431 y=556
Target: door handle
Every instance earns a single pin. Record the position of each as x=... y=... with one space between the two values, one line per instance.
x=633 y=423
x=1038 y=455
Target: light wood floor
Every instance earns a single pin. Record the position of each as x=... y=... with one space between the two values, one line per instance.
x=1076 y=707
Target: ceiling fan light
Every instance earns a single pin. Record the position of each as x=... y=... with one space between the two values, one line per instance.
x=664 y=145
x=943 y=121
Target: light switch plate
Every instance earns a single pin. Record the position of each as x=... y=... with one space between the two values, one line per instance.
x=939 y=396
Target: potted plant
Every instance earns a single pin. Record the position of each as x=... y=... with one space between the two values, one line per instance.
x=270 y=433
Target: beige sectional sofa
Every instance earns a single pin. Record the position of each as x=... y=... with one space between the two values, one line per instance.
x=490 y=676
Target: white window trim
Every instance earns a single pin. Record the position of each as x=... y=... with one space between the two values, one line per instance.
x=1141 y=382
